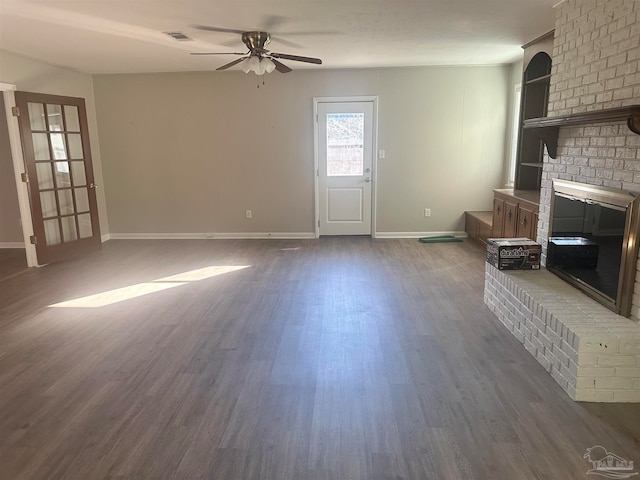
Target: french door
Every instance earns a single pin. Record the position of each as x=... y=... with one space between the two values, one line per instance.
x=57 y=156
x=345 y=167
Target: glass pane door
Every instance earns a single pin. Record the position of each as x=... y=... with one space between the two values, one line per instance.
x=62 y=183
x=57 y=155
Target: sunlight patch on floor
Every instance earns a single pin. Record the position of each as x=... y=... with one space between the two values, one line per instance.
x=133 y=291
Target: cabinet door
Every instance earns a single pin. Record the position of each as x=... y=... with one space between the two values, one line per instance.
x=498 y=218
x=510 y=217
x=525 y=222
x=528 y=221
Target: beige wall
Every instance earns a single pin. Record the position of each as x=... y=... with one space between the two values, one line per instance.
x=190 y=152
x=33 y=76
x=10 y=229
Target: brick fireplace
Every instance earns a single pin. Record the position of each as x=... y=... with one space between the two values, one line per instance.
x=592 y=353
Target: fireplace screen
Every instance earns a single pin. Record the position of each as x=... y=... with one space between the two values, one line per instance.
x=593 y=241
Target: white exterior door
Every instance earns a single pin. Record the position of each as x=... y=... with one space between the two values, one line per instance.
x=345 y=167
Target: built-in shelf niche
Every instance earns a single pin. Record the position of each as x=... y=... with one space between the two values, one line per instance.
x=536 y=77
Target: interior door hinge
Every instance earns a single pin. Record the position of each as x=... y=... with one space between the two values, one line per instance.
x=24 y=177
x=33 y=239
x=15 y=111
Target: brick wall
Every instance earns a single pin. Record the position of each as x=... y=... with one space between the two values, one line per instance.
x=591 y=352
x=596 y=65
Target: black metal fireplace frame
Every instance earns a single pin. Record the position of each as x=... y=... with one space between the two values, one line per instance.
x=610 y=197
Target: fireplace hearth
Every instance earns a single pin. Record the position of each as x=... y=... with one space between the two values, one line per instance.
x=593 y=241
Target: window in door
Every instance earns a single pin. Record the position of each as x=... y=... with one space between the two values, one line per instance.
x=345 y=144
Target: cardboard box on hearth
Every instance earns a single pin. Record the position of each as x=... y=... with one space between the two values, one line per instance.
x=514 y=253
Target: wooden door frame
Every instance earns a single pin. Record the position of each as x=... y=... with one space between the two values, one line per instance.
x=374 y=160
x=15 y=144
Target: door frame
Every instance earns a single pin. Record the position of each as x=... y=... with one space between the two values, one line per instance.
x=15 y=144
x=374 y=161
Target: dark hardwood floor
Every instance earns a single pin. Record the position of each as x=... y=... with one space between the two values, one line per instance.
x=12 y=262
x=338 y=358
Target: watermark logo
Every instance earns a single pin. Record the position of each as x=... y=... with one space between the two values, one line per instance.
x=607 y=464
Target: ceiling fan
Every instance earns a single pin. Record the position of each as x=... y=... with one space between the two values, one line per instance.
x=257 y=59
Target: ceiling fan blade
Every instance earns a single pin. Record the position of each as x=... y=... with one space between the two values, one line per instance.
x=209 y=28
x=216 y=53
x=311 y=32
x=281 y=67
x=231 y=43
x=273 y=21
x=286 y=56
x=230 y=64
x=287 y=43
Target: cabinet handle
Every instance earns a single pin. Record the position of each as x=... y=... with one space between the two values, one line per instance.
x=509 y=215
x=524 y=221
x=498 y=210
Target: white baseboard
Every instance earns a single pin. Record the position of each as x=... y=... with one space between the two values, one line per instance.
x=259 y=235
x=208 y=236
x=11 y=245
x=418 y=234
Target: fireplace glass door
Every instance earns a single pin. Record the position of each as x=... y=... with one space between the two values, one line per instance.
x=590 y=239
x=586 y=242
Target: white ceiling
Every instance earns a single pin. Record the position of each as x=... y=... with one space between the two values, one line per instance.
x=125 y=36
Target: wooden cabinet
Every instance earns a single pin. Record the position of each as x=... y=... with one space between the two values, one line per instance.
x=498 y=217
x=527 y=221
x=515 y=211
x=505 y=210
x=515 y=214
x=510 y=216
x=534 y=100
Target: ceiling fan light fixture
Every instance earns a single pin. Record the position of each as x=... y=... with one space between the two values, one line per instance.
x=260 y=69
x=253 y=62
x=269 y=66
x=259 y=65
x=245 y=66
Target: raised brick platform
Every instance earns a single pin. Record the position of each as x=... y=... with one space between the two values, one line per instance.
x=591 y=352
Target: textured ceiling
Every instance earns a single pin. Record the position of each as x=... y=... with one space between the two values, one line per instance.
x=125 y=36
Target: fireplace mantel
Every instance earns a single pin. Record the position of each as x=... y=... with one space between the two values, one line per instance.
x=547 y=128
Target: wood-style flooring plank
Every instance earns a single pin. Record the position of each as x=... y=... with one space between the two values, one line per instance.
x=13 y=262
x=330 y=359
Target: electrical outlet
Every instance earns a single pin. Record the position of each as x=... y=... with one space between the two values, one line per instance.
x=427 y=212
x=248 y=214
